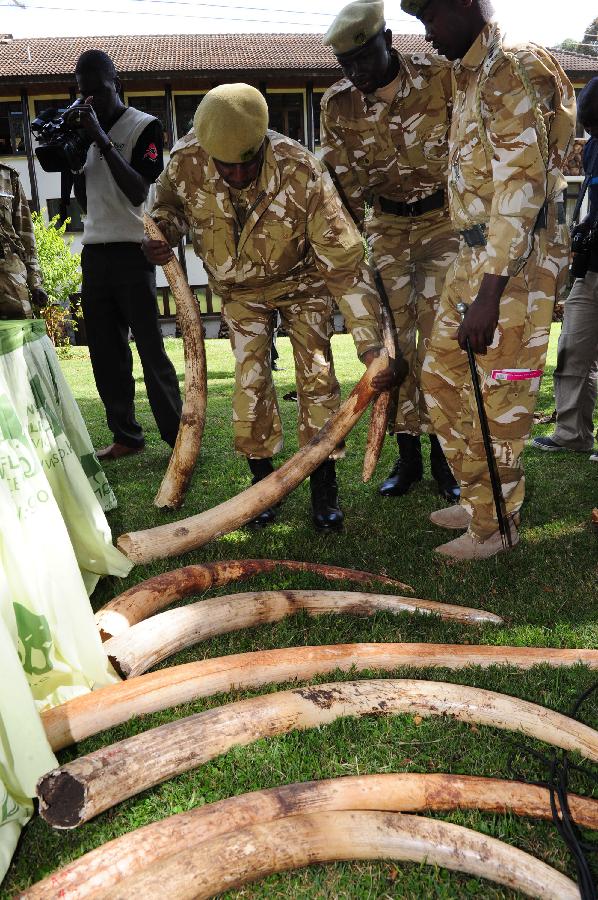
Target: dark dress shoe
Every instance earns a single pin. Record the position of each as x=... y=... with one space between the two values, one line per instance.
x=116 y=451
x=448 y=487
x=401 y=479
x=326 y=512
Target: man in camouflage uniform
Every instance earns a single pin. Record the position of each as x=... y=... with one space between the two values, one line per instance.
x=273 y=236
x=384 y=130
x=20 y=275
x=513 y=121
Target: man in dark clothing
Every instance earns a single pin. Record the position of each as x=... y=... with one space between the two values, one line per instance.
x=119 y=285
x=576 y=374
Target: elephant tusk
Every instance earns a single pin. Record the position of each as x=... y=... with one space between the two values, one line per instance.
x=380 y=407
x=88 y=714
x=193 y=417
x=195 y=531
x=148 y=643
x=151 y=596
x=77 y=791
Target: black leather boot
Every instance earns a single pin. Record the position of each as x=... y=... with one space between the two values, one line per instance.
x=408 y=468
x=261 y=468
x=326 y=513
x=448 y=488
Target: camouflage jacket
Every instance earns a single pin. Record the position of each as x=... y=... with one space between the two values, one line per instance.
x=297 y=236
x=513 y=122
x=397 y=150
x=19 y=268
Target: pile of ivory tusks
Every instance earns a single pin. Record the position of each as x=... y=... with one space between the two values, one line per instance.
x=225 y=845
x=232 y=842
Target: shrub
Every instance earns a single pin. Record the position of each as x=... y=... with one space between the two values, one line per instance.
x=62 y=277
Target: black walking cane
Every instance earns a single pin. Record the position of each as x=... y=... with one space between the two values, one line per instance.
x=499 y=500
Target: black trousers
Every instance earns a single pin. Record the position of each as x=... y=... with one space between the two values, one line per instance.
x=118 y=293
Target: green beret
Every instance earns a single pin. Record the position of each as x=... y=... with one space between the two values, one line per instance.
x=355 y=25
x=231 y=122
x=414 y=7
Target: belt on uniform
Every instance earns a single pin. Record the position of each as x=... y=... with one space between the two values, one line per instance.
x=412 y=210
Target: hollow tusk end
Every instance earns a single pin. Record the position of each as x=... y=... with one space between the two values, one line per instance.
x=126 y=545
x=111 y=623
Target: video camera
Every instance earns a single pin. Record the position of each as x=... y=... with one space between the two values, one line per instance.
x=61 y=146
x=584 y=246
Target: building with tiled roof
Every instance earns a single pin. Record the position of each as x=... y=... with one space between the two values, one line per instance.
x=186 y=55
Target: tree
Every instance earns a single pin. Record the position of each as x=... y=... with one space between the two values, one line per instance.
x=589 y=43
x=62 y=277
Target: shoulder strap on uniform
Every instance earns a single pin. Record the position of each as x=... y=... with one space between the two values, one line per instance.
x=497 y=54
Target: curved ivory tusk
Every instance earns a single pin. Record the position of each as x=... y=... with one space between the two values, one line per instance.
x=248 y=854
x=151 y=596
x=146 y=644
x=194 y=532
x=91 y=713
x=104 y=868
x=186 y=449
x=380 y=407
x=79 y=790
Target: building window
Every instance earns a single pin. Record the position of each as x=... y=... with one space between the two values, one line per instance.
x=12 y=141
x=287 y=114
x=74 y=213
x=185 y=106
x=58 y=104
x=153 y=106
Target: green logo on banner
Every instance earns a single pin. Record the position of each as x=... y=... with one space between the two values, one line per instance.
x=42 y=404
x=10 y=427
x=8 y=807
x=34 y=636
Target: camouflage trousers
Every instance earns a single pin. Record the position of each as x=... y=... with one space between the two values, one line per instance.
x=520 y=343
x=308 y=320
x=15 y=302
x=413 y=257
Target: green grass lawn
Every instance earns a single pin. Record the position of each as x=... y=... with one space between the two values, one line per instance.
x=545 y=590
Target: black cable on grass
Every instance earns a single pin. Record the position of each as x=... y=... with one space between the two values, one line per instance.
x=559 y=768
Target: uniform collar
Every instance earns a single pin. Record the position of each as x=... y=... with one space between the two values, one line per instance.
x=404 y=73
x=478 y=51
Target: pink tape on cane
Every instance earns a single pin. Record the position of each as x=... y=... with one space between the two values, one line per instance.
x=516 y=374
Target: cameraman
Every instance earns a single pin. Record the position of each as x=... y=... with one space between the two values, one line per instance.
x=576 y=373
x=119 y=285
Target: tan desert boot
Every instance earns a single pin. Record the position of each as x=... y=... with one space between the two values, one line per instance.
x=455 y=517
x=468 y=547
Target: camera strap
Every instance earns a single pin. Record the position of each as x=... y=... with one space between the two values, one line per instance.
x=585 y=185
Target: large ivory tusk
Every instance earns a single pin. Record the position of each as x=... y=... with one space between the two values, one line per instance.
x=250 y=853
x=194 y=532
x=146 y=644
x=91 y=713
x=186 y=449
x=151 y=596
x=104 y=868
x=79 y=790
x=380 y=407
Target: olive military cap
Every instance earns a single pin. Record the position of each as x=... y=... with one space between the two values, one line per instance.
x=231 y=122
x=355 y=25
